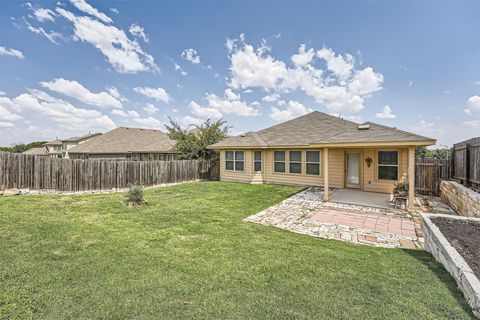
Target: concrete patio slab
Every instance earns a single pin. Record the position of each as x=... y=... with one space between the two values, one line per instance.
x=359 y=197
x=305 y=213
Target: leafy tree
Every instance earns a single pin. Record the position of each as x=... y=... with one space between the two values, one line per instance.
x=21 y=147
x=423 y=152
x=191 y=143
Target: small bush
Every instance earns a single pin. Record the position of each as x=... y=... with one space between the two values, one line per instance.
x=401 y=187
x=135 y=193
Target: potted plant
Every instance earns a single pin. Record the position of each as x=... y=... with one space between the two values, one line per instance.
x=401 y=188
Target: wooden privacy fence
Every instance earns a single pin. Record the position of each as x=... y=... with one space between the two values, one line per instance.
x=36 y=172
x=428 y=174
x=466 y=163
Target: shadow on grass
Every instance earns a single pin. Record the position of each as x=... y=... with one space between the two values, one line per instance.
x=426 y=259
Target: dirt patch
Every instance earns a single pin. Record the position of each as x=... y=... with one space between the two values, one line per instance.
x=464 y=236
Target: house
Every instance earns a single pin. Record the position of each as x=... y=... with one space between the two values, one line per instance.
x=127 y=143
x=318 y=149
x=59 y=148
x=42 y=151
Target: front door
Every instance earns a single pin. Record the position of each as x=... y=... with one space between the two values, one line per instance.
x=353 y=170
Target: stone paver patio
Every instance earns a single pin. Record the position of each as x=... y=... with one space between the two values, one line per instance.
x=305 y=213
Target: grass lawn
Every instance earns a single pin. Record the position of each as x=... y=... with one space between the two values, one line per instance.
x=188 y=254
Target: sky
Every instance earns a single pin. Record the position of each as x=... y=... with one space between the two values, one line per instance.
x=72 y=67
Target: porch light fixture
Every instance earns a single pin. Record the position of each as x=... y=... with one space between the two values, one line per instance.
x=369 y=161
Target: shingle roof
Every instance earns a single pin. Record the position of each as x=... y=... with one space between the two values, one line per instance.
x=127 y=140
x=53 y=143
x=87 y=136
x=36 y=151
x=319 y=128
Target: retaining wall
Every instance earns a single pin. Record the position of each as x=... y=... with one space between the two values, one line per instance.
x=464 y=200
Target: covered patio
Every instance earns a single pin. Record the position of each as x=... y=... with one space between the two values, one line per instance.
x=361 y=198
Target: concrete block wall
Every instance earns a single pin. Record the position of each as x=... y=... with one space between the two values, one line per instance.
x=464 y=200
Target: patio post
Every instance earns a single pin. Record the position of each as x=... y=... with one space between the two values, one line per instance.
x=325 y=174
x=411 y=178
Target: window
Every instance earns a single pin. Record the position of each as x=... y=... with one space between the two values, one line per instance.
x=295 y=162
x=279 y=161
x=257 y=161
x=234 y=160
x=388 y=165
x=313 y=162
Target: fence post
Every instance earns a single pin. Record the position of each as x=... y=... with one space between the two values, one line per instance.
x=467 y=164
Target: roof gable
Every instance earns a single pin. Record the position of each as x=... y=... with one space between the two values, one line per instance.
x=319 y=128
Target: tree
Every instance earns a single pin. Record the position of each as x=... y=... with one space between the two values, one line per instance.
x=192 y=143
x=21 y=147
x=423 y=152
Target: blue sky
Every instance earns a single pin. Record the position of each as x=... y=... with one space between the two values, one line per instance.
x=70 y=67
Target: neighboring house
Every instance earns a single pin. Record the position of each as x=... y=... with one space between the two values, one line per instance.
x=42 y=151
x=322 y=150
x=59 y=148
x=127 y=143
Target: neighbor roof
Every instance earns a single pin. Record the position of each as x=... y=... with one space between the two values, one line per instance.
x=319 y=128
x=127 y=140
x=87 y=136
x=53 y=143
x=36 y=151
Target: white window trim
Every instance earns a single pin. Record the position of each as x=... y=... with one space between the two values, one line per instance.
x=284 y=162
x=301 y=162
x=309 y=162
x=388 y=165
x=235 y=161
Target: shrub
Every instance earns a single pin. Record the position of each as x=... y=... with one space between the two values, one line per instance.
x=400 y=187
x=135 y=193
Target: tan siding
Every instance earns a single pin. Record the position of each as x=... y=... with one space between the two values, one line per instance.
x=371 y=182
x=336 y=159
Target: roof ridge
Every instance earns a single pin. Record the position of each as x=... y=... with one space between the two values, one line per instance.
x=396 y=129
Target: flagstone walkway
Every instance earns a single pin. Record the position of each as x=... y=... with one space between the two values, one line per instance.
x=305 y=213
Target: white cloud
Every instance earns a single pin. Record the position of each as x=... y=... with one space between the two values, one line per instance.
x=294 y=109
x=271 y=97
x=138 y=32
x=150 y=108
x=11 y=52
x=149 y=122
x=4 y=124
x=341 y=66
x=114 y=10
x=303 y=57
x=74 y=89
x=251 y=69
x=231 y=104
x=204 y=112
x=191 y=55
x=125 y=55
x=158 y=94
x=82 y=5
x=58 y=112
x=178 y=68
x=386 y=113
x=5 y=110
x=365 y=82
x=121 y=113
x=472 y=124
x=188 y=121
x=427 y=128
x=43 y=15
x=473 y=105
x=52 y=36
x=341 y=87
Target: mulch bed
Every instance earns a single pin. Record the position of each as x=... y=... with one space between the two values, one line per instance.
x=464 y=236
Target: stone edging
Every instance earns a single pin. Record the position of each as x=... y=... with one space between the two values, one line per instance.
x=44 y=192
x=448 y=256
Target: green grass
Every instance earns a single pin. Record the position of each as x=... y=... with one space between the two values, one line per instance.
x=188 y=254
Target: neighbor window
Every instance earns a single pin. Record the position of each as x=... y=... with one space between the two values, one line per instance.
x=313 y=162
x=257 y=161
x=234 y=160
x=279 y=161
x=295 y=162
x=388 y=165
